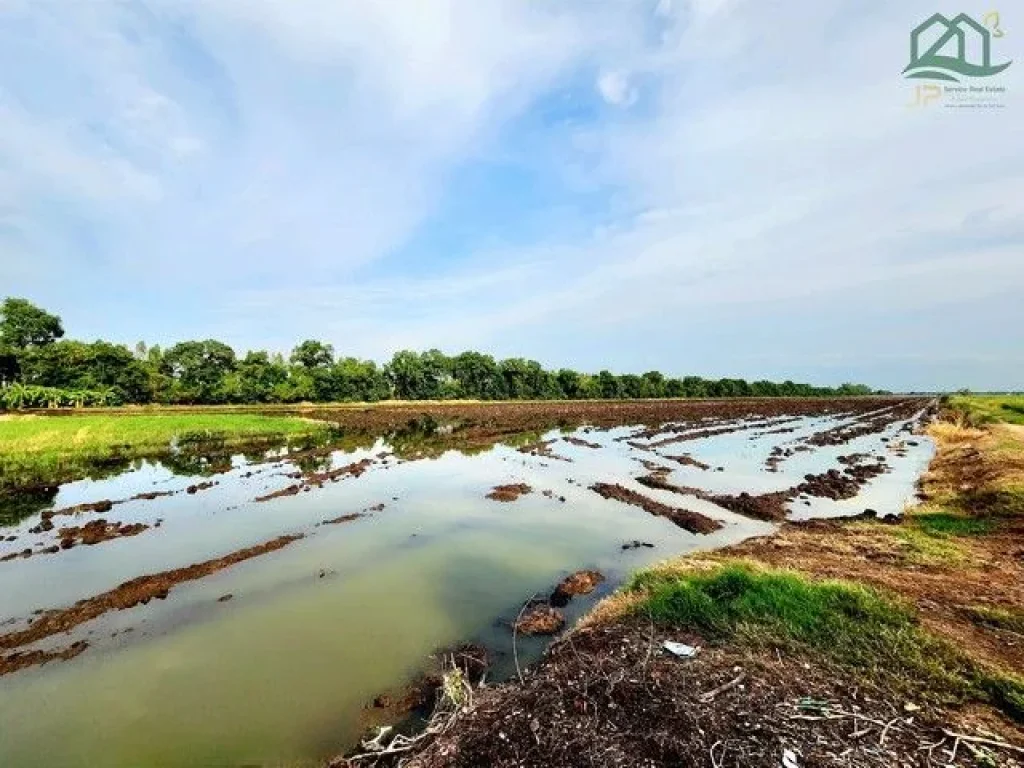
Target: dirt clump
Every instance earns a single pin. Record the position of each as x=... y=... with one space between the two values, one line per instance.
x=765 y=506
x=540 y=619
x=97 y=531
x=688 y=461
x=317 y=479
x=150 y=495
x=105 y=505
x=509 y=492
x=343 y=519
x=694 y=522
x=579 y=583
x=542 y=448
x=204 y=486
x=12 y=662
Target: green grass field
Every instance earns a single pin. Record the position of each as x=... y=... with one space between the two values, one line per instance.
x=989 y=409
x=49 y=449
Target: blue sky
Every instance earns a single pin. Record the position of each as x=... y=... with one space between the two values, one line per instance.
x=719 y=187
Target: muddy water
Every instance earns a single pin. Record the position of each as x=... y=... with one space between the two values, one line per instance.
x=283 y=671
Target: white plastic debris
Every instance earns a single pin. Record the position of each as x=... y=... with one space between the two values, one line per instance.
x=681 y=650
x=789 y=759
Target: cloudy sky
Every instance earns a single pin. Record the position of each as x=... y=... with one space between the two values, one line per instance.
x=719 y=187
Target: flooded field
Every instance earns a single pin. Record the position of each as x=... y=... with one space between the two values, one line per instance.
x=265 y=608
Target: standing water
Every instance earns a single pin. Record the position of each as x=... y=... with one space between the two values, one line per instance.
x=277 y=658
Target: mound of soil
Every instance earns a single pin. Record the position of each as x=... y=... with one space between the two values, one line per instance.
x=688 y=461
x=542 y=448
x=579 y=583
x=343 y=519
x=541 y=619
x=104 y=505
x=317 y=479
x=12 y=662
x=765 y=506
x=96 y=531
x=509 y=492
x=694 y=522
x=606 y=697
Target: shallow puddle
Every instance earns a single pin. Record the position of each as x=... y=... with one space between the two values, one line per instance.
x=284 y=670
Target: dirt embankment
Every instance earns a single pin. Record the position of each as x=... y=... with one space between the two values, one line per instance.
x=131 y=593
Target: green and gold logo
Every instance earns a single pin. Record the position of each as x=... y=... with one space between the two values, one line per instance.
x=946 y=58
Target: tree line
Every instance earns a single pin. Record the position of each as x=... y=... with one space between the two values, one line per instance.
x=40 y=368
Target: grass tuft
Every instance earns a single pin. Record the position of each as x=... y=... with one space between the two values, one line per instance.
x=999 y=618
x=851 y=624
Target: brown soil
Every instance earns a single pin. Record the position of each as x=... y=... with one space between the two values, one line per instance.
x=542 y=448
x=317 y=479
x=96 y=531
x=541 y=619
x=150 y=495
x=764 y=506
x=579 y=583
x=509 y=492
x=94 y=506
x=22 y=659
x=131 y=593
x=694 y=522
x=343 y=519
x=478 y=421
x=204 y=486
x=832 y=484
x=688 y=461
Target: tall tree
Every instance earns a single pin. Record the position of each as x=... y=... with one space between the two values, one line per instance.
x=199 y=368
x=313 y=354
x=23 y=324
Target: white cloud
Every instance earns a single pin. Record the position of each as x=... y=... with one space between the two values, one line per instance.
x=255 y=156
x=615 y=88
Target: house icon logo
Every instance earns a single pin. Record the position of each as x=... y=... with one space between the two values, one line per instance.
x=946 y=58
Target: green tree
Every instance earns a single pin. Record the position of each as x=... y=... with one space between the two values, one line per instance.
x=570 y=382
x=313 y=354
x=198 y=368
x=99 y=366
x=257 y=378
x=608 y=385
x=23 y=324
x=479 y=376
